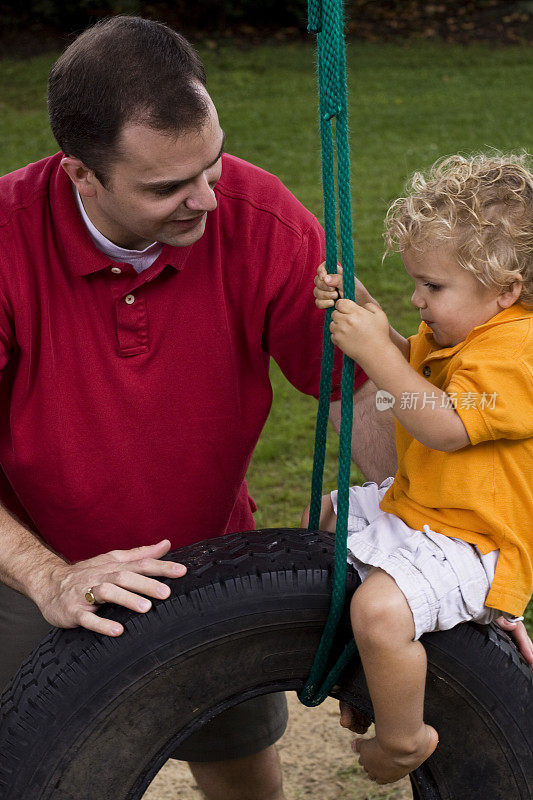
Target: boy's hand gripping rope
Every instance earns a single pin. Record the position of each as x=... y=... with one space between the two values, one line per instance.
x=326 y=20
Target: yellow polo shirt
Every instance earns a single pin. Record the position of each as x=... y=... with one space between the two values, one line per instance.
x=482 y=493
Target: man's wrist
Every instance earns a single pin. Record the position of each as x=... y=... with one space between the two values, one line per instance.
x=35 y=571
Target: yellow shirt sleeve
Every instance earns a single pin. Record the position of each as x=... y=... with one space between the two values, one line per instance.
x=493 y=394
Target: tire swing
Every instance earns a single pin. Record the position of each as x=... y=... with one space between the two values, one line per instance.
x=89 y=716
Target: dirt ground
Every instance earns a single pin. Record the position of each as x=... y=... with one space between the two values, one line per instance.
x=317 y=763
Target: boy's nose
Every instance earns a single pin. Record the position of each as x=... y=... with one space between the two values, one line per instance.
x=417 y=300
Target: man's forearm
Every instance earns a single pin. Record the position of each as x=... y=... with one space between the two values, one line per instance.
x=23 y=557
x=373 y=444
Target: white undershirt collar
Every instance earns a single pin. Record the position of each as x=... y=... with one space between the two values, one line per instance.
x=139 y=259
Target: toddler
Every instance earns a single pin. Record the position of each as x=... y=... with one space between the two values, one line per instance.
x=449 y=539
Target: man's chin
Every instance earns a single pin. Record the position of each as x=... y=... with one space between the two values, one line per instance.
x=173 y=236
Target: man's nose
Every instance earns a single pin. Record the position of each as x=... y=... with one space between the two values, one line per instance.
x=202 y=196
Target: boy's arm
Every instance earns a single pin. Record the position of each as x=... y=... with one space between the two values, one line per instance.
x=363 y=333
x=328 y=288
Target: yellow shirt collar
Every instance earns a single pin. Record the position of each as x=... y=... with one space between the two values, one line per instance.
x=515 y=312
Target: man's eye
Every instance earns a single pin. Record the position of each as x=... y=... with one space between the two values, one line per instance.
x=433 y=287
x=165 y=191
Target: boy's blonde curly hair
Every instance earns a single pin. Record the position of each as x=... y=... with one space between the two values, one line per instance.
x=482 y=206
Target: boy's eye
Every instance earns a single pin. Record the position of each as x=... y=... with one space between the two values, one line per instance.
x=433 y=287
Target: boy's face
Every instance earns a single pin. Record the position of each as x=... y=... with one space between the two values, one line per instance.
x=451 y=300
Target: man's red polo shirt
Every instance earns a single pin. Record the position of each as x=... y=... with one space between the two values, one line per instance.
x=131 y=404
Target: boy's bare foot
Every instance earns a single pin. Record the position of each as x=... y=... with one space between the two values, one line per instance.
x=387 y=764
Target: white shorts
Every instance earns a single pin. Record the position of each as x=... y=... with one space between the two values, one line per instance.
x=444 y=580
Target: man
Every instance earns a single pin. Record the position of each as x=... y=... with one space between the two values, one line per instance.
x=145 y=280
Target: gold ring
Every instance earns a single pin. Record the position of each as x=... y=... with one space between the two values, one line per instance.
x=89 y=596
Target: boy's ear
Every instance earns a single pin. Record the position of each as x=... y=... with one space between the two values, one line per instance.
x=510 y=296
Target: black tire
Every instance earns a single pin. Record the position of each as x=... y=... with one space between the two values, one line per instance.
x=89 y=717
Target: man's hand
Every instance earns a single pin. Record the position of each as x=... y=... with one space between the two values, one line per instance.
x=328 y=288
x=352 y=719
x=360 y=332
x=518 y=633
x=120 y=577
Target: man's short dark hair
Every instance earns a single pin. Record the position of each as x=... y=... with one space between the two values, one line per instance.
x=123 y=69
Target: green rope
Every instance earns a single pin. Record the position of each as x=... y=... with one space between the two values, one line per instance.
x=326 y=20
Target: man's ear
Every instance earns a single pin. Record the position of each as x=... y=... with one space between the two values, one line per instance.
x=81 y=176
x=511 y=294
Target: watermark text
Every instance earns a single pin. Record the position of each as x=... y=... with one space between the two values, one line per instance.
x=420 y=400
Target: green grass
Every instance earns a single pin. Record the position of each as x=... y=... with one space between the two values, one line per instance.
x=409 y=105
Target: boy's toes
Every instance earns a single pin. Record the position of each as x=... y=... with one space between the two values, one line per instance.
x=386 y=764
